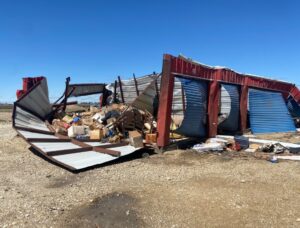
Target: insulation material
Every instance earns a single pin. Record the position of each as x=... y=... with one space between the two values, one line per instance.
x=269 y=113
x=229 y=108
x=194 y=122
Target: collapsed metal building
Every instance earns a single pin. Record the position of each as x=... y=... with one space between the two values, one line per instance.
x=207 y=99
x=265 y=99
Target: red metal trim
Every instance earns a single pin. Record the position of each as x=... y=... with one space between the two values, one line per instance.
x=243 y=107
x=213 y=104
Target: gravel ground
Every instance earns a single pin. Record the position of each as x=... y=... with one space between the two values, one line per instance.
x=175 y=189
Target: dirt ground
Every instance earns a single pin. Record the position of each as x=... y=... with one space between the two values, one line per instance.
x=174 y=189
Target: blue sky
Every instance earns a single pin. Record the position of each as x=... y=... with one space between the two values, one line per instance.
x=94 y=41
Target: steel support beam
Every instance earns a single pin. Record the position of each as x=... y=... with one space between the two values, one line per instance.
x=243 y=107
x=213 y=105
x=165 y=103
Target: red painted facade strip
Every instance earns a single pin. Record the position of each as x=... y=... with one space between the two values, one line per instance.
x=165 y=103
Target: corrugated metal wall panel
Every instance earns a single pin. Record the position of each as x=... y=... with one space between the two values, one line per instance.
x=230 y=107
x=27 y=120
x=37 y=100
x=32 y=135
x=293 y=107
x=194 y=122
x=84 y=159
x=269 y=113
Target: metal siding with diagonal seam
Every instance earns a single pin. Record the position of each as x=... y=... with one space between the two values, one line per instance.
x=269 y=113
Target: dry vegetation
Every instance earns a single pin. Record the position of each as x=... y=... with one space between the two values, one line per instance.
x=175 y=189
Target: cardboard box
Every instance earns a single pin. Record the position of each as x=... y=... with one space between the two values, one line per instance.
x=151 y=138
x=135 y=139
x=73 y=131
x=96 y=134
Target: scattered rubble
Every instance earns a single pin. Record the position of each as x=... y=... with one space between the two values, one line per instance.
x=261 y=149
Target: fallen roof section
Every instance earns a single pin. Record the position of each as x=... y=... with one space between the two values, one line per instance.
x=69 y=153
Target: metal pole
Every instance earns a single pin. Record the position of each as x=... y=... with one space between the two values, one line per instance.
x=121 y=90
x=68 y=79
x=136 y=85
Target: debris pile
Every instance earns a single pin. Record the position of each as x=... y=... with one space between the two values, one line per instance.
x=262 y=149
x=114 y=124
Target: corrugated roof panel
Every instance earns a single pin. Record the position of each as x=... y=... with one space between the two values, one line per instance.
x=25 y=119
x=145 y=100
x=55 y=146
x=268 y=112
x=97 y=143
x=194 y=122
x=84 y=159
x=32 y=135
x=230 y=107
